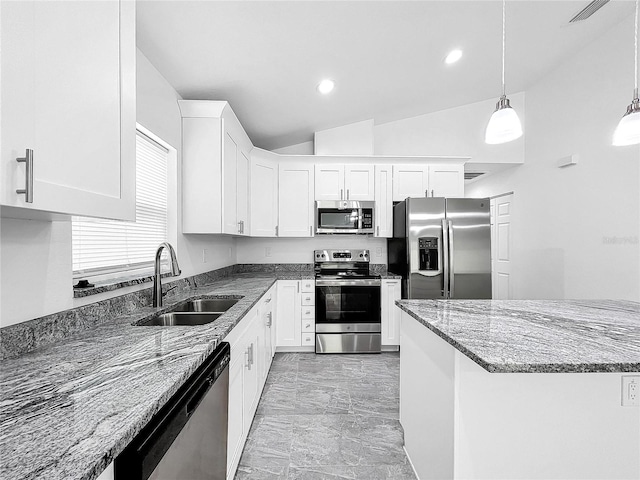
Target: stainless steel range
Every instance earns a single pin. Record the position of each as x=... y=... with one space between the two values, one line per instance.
x=347 y=303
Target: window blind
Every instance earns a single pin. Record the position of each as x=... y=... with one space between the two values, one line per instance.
x=103 y=247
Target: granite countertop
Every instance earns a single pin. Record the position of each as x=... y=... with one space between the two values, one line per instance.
x=537 y=335
x=68 y=409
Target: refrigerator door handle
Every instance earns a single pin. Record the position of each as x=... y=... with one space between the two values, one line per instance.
x=445 y=259
x=451 y=274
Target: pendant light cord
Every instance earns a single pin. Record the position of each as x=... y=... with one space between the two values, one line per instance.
x=504 y=42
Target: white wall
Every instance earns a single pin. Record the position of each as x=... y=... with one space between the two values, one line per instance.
x=305 y=148
x=456 y=131
x=576 y=229
x=300 y=250
x=36 y=255
x=353 y=139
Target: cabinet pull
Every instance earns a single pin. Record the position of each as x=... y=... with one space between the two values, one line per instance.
x=311 y=230
x=268 y=300
x=276 y=230
x=341 y=194
x=347 y=194
x=28 y=184
x=432 y=193
x=248 y=359
x=252 y=362
x=269 y=319
x=378 y=231
x=298 y=287
x=426 y=193
x=239 y=227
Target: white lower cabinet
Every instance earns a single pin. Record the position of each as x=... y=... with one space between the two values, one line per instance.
x=251 y=354
x=288 y=314
x=390 y=313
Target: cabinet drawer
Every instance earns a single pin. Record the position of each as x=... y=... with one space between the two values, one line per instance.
x=308 y=312
x=308 y=339
x=308 y=298
x=308 y=326
x=307 y=286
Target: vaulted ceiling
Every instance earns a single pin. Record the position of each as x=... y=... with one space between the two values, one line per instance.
x=386 y=57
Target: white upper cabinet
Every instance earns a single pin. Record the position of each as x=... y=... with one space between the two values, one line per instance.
x=409 y=181
x=68 y=96
x=446 y=181
x=295 y=199
x=384 y=202
x=264 y=197
x=359 y=182
x=215 y=169
x=329 y=182
x=344 y=182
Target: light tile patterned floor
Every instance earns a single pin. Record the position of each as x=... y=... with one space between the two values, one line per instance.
x=328 y=417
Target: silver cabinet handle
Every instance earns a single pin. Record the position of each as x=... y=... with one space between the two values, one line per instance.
x=426 y=193
x=347 y=194
x=276 y=230
x=298 y=287
x=311 y=230
x=28 y=184
x=239 y=227
x=378 y=231
x=269 y=319
x=341 y=194
x=268 y=300
x=248 y=365
x=432 y=193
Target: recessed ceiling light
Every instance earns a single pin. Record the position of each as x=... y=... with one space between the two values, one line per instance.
x=453 y=56
x=325 y=86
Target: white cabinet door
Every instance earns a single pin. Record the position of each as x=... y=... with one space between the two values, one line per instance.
x=68 y=94
x=242 y=192
x=390 y=313
x=266 y=348
x=229 y=185
x=288 y=314
x=446 y=181
x=329 y=182
x=235 y=429
x=295 y=200
x=409 y=181
x=384 y=201
x=264 y=198
x=359 y=182
x=252 y=381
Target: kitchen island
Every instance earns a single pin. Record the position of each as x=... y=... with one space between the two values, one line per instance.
x=507 y=389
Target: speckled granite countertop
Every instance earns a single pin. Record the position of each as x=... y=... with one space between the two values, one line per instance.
x=68 y=409
x=537 y=335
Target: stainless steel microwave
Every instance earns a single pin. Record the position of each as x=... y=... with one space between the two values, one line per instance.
x=344 y=216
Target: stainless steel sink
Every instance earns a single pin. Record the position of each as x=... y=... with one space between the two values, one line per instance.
x=214 y=305
x=182 y=318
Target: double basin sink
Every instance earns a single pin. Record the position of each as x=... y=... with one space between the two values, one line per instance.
x=193 y=312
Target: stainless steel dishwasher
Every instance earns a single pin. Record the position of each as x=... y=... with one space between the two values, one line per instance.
x=187 y=438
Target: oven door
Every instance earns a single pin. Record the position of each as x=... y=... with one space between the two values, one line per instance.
x=344 y=306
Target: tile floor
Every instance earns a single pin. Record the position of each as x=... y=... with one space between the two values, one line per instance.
x=328 y=417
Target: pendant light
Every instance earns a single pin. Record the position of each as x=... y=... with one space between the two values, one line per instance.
x=504 y=125
x=628 y=130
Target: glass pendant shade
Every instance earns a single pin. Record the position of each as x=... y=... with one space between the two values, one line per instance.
x=504 y=125
x=628 y=130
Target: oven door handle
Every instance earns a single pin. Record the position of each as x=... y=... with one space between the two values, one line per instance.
x=348 y=283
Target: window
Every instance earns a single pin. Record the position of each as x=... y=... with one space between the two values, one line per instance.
x=109 y=248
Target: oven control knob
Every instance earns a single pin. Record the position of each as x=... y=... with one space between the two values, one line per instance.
x=361 y=255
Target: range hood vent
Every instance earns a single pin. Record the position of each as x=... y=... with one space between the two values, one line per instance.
x=472 y=175
x=589 y=10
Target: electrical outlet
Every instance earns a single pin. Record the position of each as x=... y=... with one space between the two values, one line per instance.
x=378 y=252
x=205 y=255
x=267 y=251
x=631 y=391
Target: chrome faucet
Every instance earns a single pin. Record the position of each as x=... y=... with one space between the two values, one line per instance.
x=175 y=271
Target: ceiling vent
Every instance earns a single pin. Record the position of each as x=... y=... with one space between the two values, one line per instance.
x=589 y=10
x=472 y=175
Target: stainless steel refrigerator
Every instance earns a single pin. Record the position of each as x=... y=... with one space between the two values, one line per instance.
x=442 y=247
